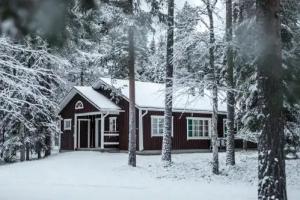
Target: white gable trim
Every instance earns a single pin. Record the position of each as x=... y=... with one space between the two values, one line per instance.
x=71 y=95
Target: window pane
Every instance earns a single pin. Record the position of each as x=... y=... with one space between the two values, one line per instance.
x=190 y=128
x=190 y=133
x=206 y=129
x=206 y=122
x=201 y=128
x=154 y=131
x=190 y=122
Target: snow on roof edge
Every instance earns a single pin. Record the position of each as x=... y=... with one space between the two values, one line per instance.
x=102 y=81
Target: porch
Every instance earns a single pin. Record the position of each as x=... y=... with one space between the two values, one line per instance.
x=96 y=131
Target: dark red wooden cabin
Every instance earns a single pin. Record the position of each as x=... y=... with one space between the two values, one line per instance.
x=96 y=117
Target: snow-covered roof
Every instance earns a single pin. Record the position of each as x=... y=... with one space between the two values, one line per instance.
x=151 y=96
x=95 y=98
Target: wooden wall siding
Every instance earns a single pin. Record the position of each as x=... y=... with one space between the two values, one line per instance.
x=124 y=118
x=179 y=139
x=111 y=139
x=69 y=110
x=67 y=140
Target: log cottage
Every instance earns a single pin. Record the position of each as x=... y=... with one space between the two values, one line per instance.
x=96 y=117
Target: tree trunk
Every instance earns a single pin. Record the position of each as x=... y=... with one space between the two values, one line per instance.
x=271 y=166
x=230 y=154
x=132 y=114
x=22 y=148
x=48 y=144
x=38 y=149
x=214 y=136
x=27 y=152
x=167 y=135
x=81 y=75
x=39 y=156
x=22 y=153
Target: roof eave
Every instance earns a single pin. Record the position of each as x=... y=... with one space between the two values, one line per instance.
x=70 y=95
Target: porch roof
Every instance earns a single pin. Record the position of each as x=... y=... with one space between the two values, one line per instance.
x=95 y=98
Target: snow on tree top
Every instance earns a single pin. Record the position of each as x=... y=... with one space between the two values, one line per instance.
x=151 y=96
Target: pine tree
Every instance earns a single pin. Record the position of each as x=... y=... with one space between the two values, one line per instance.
x=167 y=139
x=187 y=57
x=271 y=167
x=27 y=103
x=230 y=154
x=132 y=116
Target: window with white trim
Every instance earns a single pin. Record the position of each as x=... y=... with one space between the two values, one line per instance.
x=157 y=125
x=198 y=128
x=113 y=124
x=78 y=105
x=67 y=124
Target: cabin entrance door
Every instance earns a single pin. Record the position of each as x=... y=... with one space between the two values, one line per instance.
x=84 y=133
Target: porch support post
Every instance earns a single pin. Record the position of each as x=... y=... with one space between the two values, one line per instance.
x=61 y=121
x=102 y=131
x=141 y=129
x=89 y=133
x=102 y=128
x=96 y=133
x=75 y=132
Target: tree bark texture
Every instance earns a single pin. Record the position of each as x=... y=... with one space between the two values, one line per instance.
x=214 y=136
x=230 y=154
x=131 y=70
x=22 y=147
x=48 y=144
x=271 y=166
x=27 y=152
x=167 y=138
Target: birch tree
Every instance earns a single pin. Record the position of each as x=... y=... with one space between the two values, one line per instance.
x=167 y=140
x=271 y=166
x=210 y=6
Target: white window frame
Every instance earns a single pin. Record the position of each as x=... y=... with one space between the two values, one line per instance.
x=79 y=105
x=65 y=124
x=112 y=124
x=160 y=117
x=198 y=137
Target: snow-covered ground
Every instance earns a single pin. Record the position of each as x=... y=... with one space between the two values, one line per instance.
x=95 y=175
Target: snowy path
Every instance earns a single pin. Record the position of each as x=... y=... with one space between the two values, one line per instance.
x=94 y=175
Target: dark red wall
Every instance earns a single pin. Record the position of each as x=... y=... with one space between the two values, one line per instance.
x=67 y=139
x=179 y=139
